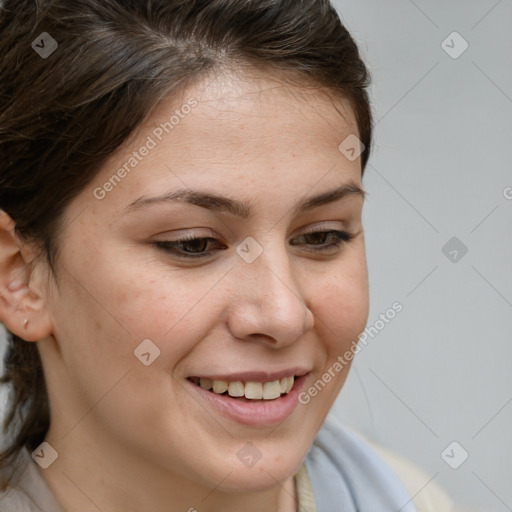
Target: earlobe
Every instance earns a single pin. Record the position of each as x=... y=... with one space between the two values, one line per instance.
x=23 y=308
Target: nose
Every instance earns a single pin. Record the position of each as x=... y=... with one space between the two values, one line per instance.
x=268 y=303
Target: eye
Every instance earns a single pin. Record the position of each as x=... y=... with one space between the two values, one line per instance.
x=324 y=240
x=188 y=246
x=201 y=247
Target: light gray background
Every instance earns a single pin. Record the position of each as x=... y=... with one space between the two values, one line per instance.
x=440 y=371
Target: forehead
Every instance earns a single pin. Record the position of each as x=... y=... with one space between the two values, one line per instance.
x=230 y=101
x=249 y=132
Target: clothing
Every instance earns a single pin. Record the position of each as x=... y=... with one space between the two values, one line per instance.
x=360 y=476
x=29 y=491
x=341 y=472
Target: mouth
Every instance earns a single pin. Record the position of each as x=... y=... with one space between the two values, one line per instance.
x=255 y=399
x=247 y=390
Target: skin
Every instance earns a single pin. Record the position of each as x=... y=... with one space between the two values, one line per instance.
x=130 y=437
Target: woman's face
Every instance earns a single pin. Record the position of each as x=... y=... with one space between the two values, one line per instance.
x=246 y=165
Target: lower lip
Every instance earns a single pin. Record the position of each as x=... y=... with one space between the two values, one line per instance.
x=254 y=412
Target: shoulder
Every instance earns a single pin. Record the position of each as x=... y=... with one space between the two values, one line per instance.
x=428 y=495
x=27 y=490
x=13 y=498
x=341 y=463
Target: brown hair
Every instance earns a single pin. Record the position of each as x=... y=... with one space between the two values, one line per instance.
x=62 y=115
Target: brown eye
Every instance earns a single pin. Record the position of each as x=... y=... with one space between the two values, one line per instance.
x=195 y=245
x=188 y=247
x=318 y=239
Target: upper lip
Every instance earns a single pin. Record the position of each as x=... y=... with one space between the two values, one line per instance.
x=256 y=376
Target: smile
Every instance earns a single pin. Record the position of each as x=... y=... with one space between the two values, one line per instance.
x=251 y=390
x=252 y=398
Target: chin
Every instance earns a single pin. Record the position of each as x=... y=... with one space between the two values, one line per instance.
x=259 y=478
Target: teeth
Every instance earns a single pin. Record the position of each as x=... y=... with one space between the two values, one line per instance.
x=271 y=390
x=205 y=383
x=219 y=386
x=286 y=384
x=251 y=390
x=236 y=389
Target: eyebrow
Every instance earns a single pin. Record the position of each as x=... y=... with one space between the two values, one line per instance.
x=219 y=203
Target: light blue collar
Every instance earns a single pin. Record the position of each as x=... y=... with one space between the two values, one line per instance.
x=347 y=475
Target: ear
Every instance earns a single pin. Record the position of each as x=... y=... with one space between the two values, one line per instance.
x=23 y=289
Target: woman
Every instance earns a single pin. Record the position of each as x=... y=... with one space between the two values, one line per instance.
x=182 y=258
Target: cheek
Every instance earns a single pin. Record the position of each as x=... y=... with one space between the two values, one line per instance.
x=103 y=316
x=173 y=308
x=341 y=308
x=341 y=304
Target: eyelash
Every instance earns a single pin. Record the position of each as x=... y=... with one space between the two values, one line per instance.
x=343 y=237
